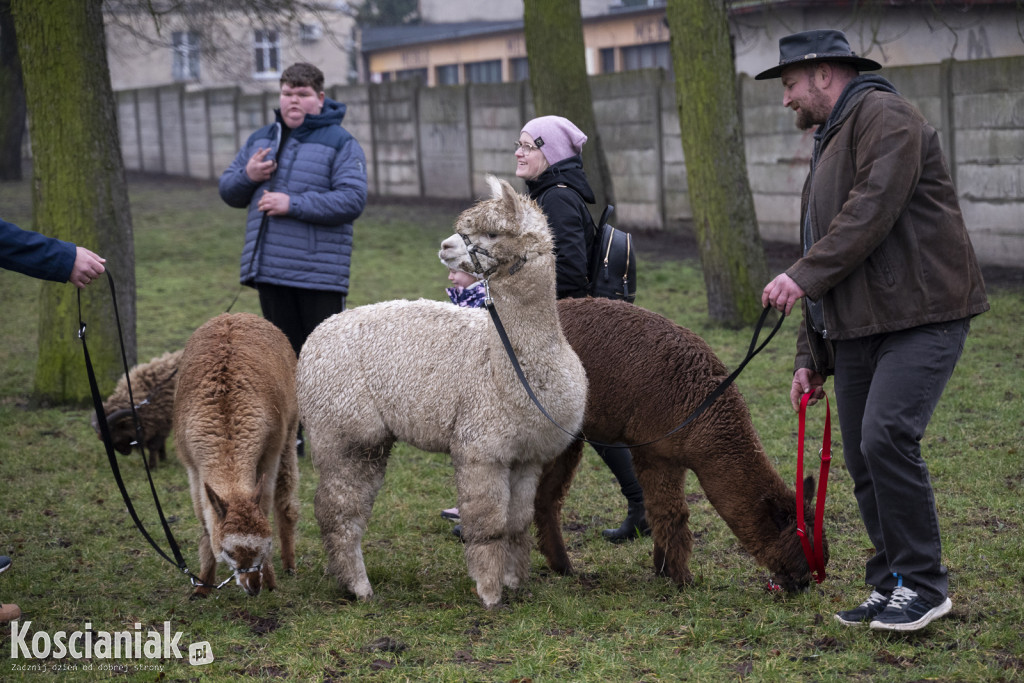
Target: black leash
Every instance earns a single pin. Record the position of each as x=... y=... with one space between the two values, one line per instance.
x=752 y=351
x=108 y=443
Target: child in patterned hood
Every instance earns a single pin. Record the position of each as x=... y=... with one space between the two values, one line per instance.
x=468 y=291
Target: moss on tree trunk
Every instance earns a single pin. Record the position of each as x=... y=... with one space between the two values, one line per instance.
x=732 y=255
x=558 y=79
x=78 y=189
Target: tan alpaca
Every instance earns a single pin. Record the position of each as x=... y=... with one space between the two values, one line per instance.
x=235 y=421
x=647 y=375
x=436 y=376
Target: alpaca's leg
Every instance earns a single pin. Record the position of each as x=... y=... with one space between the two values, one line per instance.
x=267 y=575
x=207 y=562
x=207 y=567
x=286 y=503
x=552 y=488
x=266 y=477
x=350 y=478
x=483 y=506
x=667 y=513
x=157 y=450
x=522 y=489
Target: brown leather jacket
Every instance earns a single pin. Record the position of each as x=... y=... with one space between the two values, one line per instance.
x=891 y=250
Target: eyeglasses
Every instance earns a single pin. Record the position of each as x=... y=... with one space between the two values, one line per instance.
x=525 y=146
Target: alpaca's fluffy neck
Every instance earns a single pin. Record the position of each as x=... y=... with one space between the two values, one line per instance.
x=525 y=304
x=525 y=299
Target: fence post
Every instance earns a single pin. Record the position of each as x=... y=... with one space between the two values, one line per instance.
x=470 y=164
x=946 y=96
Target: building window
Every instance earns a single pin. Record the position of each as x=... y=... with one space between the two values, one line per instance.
x=185 y=64
x=412 y=75
x=310 y=33
x=267 y=46
x=484 y=72
x=447 y=74
x=519 y=68
x=607 y=60
x=647 y=57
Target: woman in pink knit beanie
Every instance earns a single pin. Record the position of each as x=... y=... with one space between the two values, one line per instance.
x=548 y=158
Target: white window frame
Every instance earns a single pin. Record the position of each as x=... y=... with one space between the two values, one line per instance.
x=267 y=43
x=185 y=56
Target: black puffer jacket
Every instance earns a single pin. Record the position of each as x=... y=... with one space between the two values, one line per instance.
x=563 y=194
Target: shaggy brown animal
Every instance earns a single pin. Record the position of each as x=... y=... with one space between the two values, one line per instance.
x=153 y=386
x=235 y=422
x=646 y=375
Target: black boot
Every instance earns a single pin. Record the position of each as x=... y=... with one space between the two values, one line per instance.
x=634 y=526
x=620 y=462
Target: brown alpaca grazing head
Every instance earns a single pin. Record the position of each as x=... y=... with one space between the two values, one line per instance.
x=245 y=537
x=785 y=558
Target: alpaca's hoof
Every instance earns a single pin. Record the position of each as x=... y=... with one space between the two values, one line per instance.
x=362 y=590
x=200 y=594
x=490 y=599
x=491 y=606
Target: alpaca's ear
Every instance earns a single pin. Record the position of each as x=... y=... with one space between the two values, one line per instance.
x=508 y=197
x=808 y=489
x=256 y=497
x=781 y=514
x=496 y=186
x=219 y=506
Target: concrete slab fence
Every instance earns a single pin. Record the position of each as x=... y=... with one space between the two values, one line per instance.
x=440 y=142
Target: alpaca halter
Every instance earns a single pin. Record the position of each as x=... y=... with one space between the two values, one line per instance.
x=473 y=250
x=251 y=570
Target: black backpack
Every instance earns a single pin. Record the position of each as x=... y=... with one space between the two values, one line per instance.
x=612 y=262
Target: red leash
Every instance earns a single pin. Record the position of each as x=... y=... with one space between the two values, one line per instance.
x=816 y=555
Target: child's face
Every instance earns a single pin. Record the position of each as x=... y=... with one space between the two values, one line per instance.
x=460 y=279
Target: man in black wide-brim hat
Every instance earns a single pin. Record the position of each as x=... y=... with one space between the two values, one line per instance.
x=889 y=283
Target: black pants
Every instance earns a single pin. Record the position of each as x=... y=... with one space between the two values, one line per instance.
x=887 y=386
x=620 y=462
x=298 y=311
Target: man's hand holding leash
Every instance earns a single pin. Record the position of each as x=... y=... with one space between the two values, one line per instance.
x=782 y=293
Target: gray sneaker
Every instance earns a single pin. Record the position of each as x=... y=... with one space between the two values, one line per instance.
x=867 y=611
x=908 y=611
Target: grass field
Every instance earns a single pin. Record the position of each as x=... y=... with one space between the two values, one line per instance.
x=80 y=564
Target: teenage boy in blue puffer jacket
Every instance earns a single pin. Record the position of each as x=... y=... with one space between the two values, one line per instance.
x=303 y=180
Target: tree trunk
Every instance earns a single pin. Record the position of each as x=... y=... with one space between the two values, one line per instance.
x=731 y=253
x=12 y=104
x=558 y=79
x=78 y=190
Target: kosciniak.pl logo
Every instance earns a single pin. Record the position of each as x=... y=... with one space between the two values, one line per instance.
x=89 y=644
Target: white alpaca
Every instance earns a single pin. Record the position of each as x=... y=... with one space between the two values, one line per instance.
x=436 y=376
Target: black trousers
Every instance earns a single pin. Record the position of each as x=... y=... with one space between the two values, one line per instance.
x=297 y=311
x=887 y=386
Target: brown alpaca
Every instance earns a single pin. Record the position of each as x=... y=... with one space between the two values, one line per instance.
x=153 y=390
x=646 y=375
x=235 y=421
